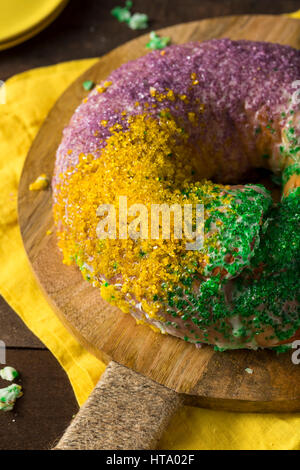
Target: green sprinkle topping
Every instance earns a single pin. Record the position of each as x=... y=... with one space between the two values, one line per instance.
x=282 y=349
x=293 y=169
x=217 y=348
x=157 y=42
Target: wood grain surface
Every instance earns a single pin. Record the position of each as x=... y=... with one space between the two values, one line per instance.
x=208 y=378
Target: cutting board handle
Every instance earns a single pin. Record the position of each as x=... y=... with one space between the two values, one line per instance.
x=126 y=411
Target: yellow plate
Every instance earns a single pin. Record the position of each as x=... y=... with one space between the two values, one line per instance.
x=22 y=19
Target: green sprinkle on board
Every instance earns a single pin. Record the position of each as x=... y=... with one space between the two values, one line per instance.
x=123 y=15
x=138 y=21
x=9 y=373
x=157 y=42
x=8 y=396
x=88 y=85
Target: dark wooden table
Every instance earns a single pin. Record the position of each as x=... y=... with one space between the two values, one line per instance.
x=84 y=29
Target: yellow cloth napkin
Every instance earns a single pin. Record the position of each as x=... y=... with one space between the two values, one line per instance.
x=29 y=97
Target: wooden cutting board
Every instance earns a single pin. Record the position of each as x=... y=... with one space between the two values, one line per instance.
x=205 y=377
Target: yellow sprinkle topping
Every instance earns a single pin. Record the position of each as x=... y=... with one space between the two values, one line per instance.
x=152 y=91
x=150 y=163
x=103 y=88
x=192 y=118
